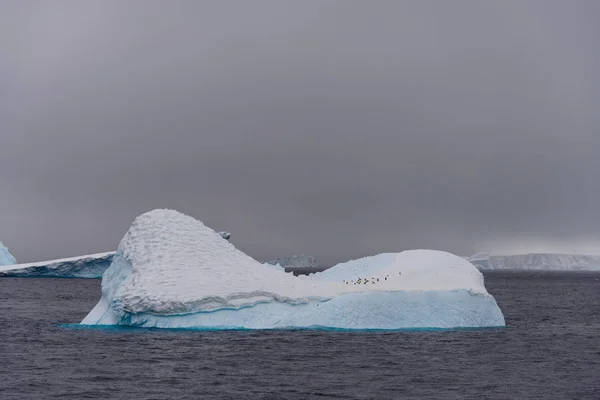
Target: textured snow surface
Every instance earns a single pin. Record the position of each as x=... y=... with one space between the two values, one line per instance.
x=537 y=261
x=297 y=260
x=5 y=257
x=171 y=271
x=88 y=266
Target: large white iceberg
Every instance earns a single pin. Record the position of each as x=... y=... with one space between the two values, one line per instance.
x=5 y=257
x=171 y=271
x=88 y=266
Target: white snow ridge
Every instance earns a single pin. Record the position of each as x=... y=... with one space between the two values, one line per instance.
x=171 y=271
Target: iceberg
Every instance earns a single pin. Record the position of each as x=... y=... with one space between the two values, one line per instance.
x=482 y=261
x=298 y=264
x=5 y=257
x=88 y=266
x=172 y=271
x=536 y=261
x=295 y=261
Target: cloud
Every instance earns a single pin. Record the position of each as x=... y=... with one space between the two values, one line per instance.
x=334 y=128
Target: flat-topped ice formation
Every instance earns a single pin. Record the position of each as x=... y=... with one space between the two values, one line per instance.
x=88 y=266
x=537 y=261
x=171 y=271
x=5 y=257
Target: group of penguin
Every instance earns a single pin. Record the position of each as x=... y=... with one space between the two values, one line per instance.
x=364 y=281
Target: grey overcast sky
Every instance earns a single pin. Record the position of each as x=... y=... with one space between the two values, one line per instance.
x=335 y=128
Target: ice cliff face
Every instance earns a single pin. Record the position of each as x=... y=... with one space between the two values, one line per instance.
x=540 y=261
x=295 y=261
x=171 y=271
x=89 y=266
x=5 y=257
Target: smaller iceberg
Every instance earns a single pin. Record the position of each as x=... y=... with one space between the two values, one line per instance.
x=5 y=257
x=295 y=261
x=88 y=266
x=298 y=264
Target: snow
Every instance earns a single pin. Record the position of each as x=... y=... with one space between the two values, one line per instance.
x=87 y=266
x=5 y=257
x=295 y=261
x=537 y=261
x=171 y=271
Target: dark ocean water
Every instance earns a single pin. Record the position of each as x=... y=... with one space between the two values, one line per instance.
x=550 y=350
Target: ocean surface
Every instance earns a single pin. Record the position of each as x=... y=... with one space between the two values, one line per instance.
x=550 y=350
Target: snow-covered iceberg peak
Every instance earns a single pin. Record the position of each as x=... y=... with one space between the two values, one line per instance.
x=169 y=263
x=5 y=257
x=171 y=270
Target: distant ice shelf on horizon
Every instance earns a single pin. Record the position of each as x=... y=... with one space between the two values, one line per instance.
x=536 y=261
x=92 y=266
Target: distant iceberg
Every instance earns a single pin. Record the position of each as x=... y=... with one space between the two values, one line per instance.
x=88 y=266
x=536 y=261
x=171 y=271
x=295 y=261
x=482 y=261
x=5 y=257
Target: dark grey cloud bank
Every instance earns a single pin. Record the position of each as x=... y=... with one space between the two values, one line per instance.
x=335 y=128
